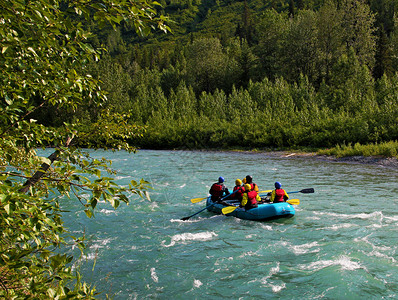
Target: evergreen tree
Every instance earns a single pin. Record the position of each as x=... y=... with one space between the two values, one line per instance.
x=300 y=4
x=300 y=51
x=385 y=11
x=272 y=28
x=330 y=39
x=291 y=9
x=208 y=67
x=383 y=63
x=247 y=24
x=394 y=45
x=358 y=27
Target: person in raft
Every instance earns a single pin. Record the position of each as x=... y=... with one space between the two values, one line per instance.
x=218 y=190
x=249 y=180
x=279 y=194
x=238 y=190
x=249 y=198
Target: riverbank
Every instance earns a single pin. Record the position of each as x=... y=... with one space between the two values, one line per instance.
x=390 y=162
x=383 y=154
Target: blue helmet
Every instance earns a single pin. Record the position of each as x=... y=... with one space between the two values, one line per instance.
x=221 y=179
x=278 y=185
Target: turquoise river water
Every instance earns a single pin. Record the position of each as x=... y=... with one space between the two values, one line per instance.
x=341 y=244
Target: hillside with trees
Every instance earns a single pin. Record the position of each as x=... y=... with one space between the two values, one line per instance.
x=253 y=74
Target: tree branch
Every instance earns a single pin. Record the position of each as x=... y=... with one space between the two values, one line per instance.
x=44 y=167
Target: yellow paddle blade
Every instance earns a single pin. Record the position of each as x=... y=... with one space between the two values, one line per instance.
x=228 y=209
x=196 y=200
x=263 y=192
x=293 y=201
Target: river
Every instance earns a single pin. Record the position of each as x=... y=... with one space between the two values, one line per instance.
x=341 y=244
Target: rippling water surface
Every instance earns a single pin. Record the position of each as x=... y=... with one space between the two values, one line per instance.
x=341 y=244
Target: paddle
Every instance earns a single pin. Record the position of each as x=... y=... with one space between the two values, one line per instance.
x=186 y=218
x=195 y=200
x=262 y=192
x=229 y=209
x=304 y=191
x=293 y=201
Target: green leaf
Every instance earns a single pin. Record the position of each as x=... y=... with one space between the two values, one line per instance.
x=94 y=202
x=45 y=160
x=88 y=212
x=7 y=208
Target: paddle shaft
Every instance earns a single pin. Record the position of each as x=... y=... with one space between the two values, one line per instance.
x=186 y=218
x=304 y=191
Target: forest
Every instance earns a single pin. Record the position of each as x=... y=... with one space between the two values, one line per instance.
x=251 y=74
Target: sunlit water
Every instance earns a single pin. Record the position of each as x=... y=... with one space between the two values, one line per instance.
x=341 y=244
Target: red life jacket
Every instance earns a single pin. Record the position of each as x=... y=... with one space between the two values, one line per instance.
x=251 y=197
x=239 y=193
x=279 y=195
x=253 y=185
x=216 y=190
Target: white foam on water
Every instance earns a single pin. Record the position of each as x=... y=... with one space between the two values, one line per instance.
x=278 y=288
x=343 y=261
x=100 y=243
x=249 y=253
x=365 y=239
x=154 y=276
x=275 y=270
x=373 y=215
x=306 y=248
x=197 y=283
x=185 y=237
x=108 y=212
x=377 y=251
x=90 y=256
x=272 y=271
x=394 y=218
x=378 y=254
x=121 y=177
x=375 y=226
x=266 y=227
x=336 y=227
x=153 y=206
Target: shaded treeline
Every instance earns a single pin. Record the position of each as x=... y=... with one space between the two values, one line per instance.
x=256 y=74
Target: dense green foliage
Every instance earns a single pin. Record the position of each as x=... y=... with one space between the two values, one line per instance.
x=263 y=74
x=44 y=62
x=387 y=149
